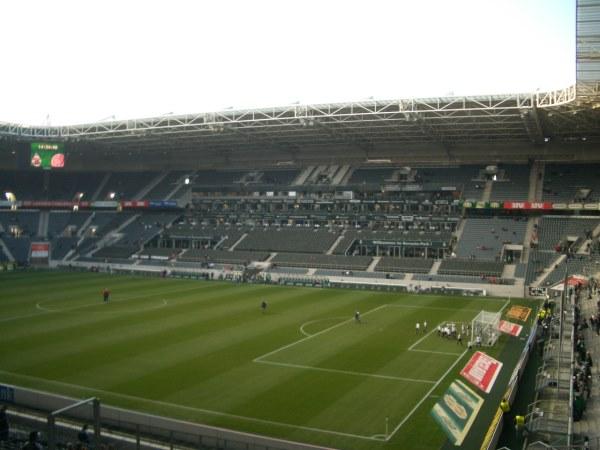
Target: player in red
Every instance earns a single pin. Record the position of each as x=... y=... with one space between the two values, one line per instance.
x=106 y=295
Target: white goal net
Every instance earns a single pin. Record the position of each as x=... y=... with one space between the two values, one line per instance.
x=484 y=328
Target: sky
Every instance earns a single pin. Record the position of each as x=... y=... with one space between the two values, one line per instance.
x=69 y=62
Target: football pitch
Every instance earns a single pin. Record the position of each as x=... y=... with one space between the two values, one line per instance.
x=205 y=352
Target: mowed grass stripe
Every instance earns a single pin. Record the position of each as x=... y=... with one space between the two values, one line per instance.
x=197 y=352
x=22 y=302
x=106 y=330
x=378 y=346
x=219 y=330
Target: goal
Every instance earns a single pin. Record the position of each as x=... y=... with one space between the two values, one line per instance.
x=485 y=326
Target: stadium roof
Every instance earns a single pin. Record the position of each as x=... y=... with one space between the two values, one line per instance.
x=566 y=115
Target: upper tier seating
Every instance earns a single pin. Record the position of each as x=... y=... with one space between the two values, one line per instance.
x=483 y=238
x=514 y=185
x=538 y=261
x=288 y=240
x=411 y=265
x=126 y=185
x=18 y=247
x=220 y=256
x=370 y=175
x=563 y=182
x=26 y=221
x=166 y=186
x=221 y=236
x=350 y=236
x=457 y=266
x=552 y=231
x=458 y=177
x=322 y=261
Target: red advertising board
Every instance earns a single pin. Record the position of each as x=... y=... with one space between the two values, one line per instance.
x=510 y=328
x=56 y=204
x=40 y=249
x=528 y=205
x=134 y=204
x=481 y=371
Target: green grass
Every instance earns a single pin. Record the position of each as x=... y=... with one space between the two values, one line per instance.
x=204 y=352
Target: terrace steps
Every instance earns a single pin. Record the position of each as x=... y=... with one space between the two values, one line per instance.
x=509 y=271
x=334 y=245
x=151 y=185
x=373 y=264
x=109 y=238
x=487 y=191
x=7 y=252
x=301 y=179
x=235 y=244
x=435 y=267
x=547 y=271
x=100 y=187
x=43 y=224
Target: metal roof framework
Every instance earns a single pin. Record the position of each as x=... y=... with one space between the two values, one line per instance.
x=563 y=115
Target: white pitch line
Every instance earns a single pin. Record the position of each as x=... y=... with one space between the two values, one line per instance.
x=151 y=308
x=346 y=372
x=40 y=306
x=316 y=321
x=191 y=408
x=258 y=358
x=435 y=352
x=433 y=329
x=43 y=310
x=442 y=308
x=412 y=411
x=505 y=305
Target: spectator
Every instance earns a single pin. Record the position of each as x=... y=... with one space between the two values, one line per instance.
x=83 y=436
x=4 y=424
x=32 y=442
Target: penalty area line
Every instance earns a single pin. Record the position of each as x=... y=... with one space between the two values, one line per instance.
x=346 y=372
x=412 y=411
x=333 y=327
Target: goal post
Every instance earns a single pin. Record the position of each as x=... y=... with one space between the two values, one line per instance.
x=485 y=326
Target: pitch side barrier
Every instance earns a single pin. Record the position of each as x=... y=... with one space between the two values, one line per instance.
x=147 y=426
x=490 y=441
x=234 y=273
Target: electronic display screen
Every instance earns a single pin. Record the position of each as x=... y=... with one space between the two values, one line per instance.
x=47 y=155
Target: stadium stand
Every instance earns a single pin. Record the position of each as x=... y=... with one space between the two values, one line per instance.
x=288 y=240
x=357 y=274
x=538 y=261
x=217 y=178
x=484 y=238
x=411 y=265
x=125 y=184
x=322 y=261
x=163 y=253
x=512 y=184
x=65 y=185
x=20 y=222
x=470 y=267
x=571 y=183
x=26 y=185
x=553 y=232
x=220 y=256
x=456 y=279
x=370 y=176
x=465 y=179
x=19 y=248
x=168 y=184
x=278 y=177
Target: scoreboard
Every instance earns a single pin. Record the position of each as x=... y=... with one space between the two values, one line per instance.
x=47 y=155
